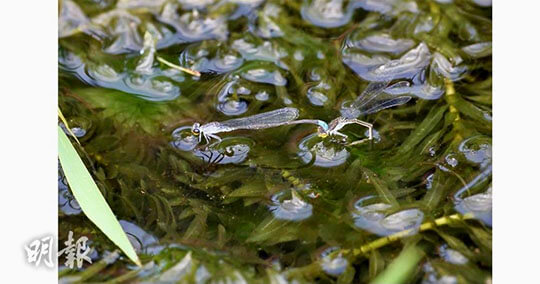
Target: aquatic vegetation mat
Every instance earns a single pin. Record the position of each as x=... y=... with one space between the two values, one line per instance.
x=225 y=137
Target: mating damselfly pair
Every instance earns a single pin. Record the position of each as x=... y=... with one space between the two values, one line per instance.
x=372 y=99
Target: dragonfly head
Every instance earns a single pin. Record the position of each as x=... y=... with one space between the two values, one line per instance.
x=322 y=130
x=196 y=129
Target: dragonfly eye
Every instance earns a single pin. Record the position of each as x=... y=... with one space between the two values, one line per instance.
x=195 y=129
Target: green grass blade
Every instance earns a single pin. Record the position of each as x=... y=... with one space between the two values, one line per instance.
x=89 y=197
x=401 y=268
x=424 y=129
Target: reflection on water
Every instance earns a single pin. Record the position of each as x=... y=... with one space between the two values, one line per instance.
x=229 y=97
x=477 y=150
x=66 y=202
x=254 y=56
x=141 y=241
x=372 y=216
x=380 y=42
x=326 y=13
x=480 y=205
x=152 y=86
x=369 y=217
x=229 y=151
x=335 y=265
x=266 y=51
x=316 y=94
x=433 y=277
x=288 y=205
x=452 y=256
x=324 y=156
x=77 y=131
x=183 y=139
x=224 y=153
x=409 y=219
x=260 y=75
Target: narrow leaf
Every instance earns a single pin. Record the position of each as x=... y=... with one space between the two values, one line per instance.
x=89 y=197
x=427 y=125
x=381 y=188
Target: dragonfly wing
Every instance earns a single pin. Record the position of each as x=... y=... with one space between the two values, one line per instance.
x=370 y=93
x=263 y=120
x=387 y=103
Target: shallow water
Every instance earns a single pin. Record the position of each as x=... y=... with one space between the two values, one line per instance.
x=280 y=203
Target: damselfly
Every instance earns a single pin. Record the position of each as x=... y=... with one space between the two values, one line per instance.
x=263 y=120
x=373 y=99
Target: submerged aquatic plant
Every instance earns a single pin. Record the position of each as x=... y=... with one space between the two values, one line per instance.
x=282 y=203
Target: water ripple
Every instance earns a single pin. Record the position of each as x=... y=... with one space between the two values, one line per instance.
x=480 y=205
x=382 y=42
x=293 y=209
x=334 y=266
x=371 y=215
x=326 y=13
x=442 y=66
x=122 y=29
x=478 y=50
x=193 y=26
x=263 y=52
x=325 y=156
x=229 y=151
x=406 y=67
x=316 y=94
x=261 y=75
x=452 y=256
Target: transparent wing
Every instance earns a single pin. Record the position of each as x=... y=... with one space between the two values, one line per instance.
x=370 y=93
x=374 y=98
x=262 y=120
x=386 y=103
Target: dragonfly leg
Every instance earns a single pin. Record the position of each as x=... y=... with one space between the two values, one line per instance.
x=358 y=142
x=340 y=134
x=209 y=136
x=368 y=125
x=344 y=136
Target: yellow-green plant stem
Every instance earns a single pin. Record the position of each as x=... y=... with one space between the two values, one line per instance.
x=381 y=242
x=61 y=115
x=296 y=182
x=189 y=71
x=451 y=98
